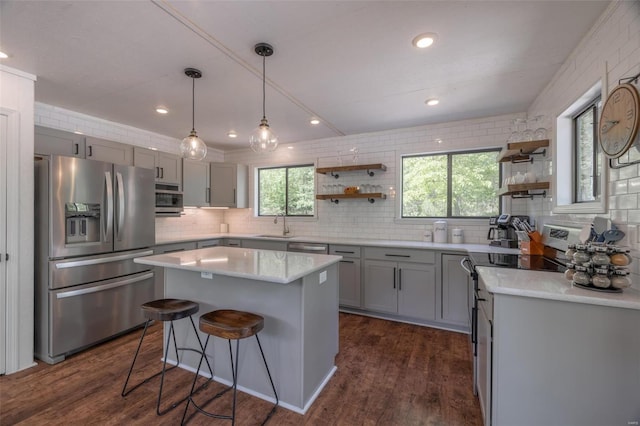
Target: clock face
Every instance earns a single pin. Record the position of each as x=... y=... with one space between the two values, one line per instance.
x=619 y=121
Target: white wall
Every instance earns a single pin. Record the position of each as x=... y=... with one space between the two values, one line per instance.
x=16 y=102
x=358 y=218
x=610 y=51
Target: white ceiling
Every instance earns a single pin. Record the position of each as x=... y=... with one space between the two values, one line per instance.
x=349 y=63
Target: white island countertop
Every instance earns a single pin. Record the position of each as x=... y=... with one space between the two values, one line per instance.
x=262 y=265
x=552 y=286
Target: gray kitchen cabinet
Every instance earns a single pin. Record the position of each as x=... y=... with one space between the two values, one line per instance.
x=159 y=271
x=349 y=282
x=231 y=242
x=168 y=167
x=264 y=245
x=208 y=243
x=58 y=142
x=195 y=183
x=229 y=185
x=407 y=289
x=108 y=151
x=455 y=291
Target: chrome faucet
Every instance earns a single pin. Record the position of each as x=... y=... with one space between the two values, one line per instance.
x=285 y=228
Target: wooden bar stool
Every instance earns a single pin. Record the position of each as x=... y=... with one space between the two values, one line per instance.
x=167 y=310
x=230 y=325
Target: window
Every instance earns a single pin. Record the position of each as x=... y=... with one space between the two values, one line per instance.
x=286 y=190
x=579 y=165
x=461 y=184
x=586 y=158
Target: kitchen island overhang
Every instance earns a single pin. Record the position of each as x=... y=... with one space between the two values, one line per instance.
x=296 y=293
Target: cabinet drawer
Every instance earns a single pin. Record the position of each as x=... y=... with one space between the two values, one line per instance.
x=169 y=248
x=403 y=255
x=485 y=299
x=208 y=243
x=345 y=251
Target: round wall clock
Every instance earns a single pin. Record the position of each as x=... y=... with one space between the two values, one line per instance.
x=620 y=120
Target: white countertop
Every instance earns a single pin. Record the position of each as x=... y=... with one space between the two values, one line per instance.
x=553 y=286
x=263 y=265
x=462 y=248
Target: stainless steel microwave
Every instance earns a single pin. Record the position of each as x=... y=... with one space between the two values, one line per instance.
x=169 y=199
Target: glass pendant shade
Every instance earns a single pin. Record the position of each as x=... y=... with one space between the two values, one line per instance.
x=263 y=139
x=192 y=147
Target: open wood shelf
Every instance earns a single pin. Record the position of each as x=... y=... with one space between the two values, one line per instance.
x=371 y=196
x=354 y=167
x=518 y=152
x=521 y=190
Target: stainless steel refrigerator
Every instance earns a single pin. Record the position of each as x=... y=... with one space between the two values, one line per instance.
x=92 y=219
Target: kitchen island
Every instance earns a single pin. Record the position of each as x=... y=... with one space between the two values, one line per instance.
x=296 y=293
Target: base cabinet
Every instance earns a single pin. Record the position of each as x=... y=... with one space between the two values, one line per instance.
x=349 y=282
x=455 y=290
x=159 y=271
x=401 y=288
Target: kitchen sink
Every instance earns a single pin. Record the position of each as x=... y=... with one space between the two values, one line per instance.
x=275 y=236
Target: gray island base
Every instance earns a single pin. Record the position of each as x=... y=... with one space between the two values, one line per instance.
x=296 y=293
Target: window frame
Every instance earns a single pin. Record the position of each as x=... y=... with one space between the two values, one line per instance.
x=564 y=177
x=286 y=167
x=449 y=155
x=594 y=154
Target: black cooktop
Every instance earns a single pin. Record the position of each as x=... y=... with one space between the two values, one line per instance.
x=517 y=261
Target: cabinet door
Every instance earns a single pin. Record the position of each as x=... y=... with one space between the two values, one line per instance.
x=170 y=168
x=143 y=157
x=455 y=292
x=109 y=151
x=195 y=183
x=223 y=185
x=57 y=142
x=380 y=286
x=349 y=282
x=484 y=365
x=417 y=290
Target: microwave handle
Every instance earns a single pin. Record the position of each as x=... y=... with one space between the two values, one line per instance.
x=107 y=222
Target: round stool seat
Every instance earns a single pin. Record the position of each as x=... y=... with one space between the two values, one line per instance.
x=230 y=324
x=169 y=309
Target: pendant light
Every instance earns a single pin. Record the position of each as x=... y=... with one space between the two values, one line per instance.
x=192 y=147
x=263 y=139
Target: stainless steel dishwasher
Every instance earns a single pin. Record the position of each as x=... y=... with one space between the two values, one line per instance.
x=314 y=248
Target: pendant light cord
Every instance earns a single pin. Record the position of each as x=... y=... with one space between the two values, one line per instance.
x=193 y=104
x=264 y=59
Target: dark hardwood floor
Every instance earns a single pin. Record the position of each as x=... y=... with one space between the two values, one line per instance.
x=388 y=374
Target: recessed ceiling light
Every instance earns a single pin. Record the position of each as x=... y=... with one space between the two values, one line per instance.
x=432 y=102
x=424 y=40
x=314 y=121
x=78 y=132
x=290 y=147
x=232 y=134
x=438 y=140
x=3 y=55
x=162 y=110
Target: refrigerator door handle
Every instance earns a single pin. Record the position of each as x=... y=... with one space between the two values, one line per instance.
x=102 y=260
x=72 y=293
x=108 y=223
x=120 y=219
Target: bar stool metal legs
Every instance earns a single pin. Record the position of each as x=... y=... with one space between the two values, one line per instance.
x=170 y=336
x=236 y=332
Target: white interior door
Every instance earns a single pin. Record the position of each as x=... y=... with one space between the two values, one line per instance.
x=3 y=241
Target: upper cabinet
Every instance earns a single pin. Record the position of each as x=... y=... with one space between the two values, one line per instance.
x=168 y=167
x=229 y=185
x=195 y=183
x=57 y=142
x=111 y=152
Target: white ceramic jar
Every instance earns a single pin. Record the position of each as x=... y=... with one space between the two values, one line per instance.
x=440 y=231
